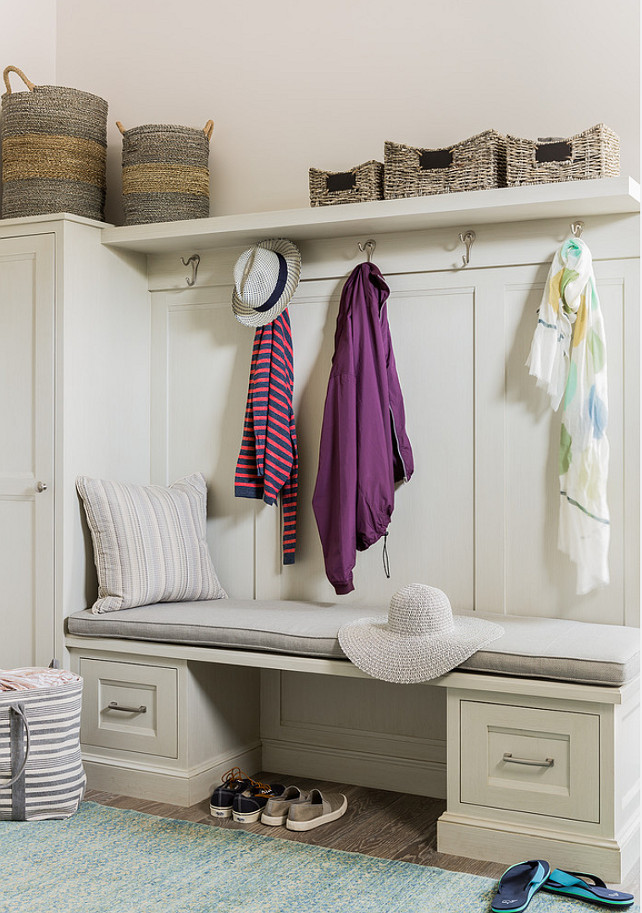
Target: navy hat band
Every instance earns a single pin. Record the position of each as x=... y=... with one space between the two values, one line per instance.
x=279 y=287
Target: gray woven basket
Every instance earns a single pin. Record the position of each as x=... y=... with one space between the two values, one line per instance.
x=478 y=163
x=54 y=144
x=595 y=153
x=165 y=173
x=361 y=183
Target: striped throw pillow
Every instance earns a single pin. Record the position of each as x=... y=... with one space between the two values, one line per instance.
x=149 y=542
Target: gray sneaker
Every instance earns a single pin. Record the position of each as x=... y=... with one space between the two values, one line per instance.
x=316 y=810
x=277 y=808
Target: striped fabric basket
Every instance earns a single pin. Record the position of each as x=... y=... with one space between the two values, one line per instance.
x=41 y=771
x=165 y=173
x=54 y=147
x=595 y=153
x=477 y=163
x=361 y=183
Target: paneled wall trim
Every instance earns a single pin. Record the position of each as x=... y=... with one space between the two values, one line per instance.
x=479 y=518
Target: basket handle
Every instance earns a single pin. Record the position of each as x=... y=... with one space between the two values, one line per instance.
x=120 y=127
x=19 y=711
x=22 y=76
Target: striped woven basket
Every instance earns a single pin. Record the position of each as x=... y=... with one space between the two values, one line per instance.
x=595 y=153
x=165 y=173
x=54 y=145
x=361 y=183
x=41 y=770
x=477 y=163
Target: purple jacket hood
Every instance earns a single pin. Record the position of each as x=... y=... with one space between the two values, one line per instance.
x=364 y=447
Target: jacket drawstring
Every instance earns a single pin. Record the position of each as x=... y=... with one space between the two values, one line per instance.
x=386 y=559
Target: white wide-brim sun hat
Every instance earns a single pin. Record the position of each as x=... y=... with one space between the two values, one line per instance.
x=265 y=279
x=420 y=638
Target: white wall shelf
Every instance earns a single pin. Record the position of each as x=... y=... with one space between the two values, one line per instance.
x=574 y=199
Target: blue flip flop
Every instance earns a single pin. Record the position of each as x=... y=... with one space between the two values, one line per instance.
x=572 y=884
x=518 y=884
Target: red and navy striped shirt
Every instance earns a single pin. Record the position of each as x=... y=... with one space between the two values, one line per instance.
x=268 y=462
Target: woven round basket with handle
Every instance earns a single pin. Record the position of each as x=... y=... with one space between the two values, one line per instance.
x=54 y=145
x=165 y=172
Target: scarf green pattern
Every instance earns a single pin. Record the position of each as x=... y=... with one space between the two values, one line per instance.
x=568 y=360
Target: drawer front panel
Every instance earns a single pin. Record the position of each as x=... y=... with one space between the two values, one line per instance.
x=143 y=713
x=520 y=758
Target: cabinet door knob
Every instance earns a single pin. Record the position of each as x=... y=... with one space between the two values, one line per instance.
x=41 y=486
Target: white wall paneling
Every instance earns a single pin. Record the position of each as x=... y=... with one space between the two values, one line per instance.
x=200 y=366
x=478 y=519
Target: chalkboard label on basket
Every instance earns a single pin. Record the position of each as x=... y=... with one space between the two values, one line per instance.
x=553 y=152
x=344 y=181
x=435 y=158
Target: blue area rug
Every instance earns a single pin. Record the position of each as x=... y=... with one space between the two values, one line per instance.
x=107 y=860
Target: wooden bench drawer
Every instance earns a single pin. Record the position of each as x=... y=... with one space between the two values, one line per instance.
x=524 y=759
x=149 y=722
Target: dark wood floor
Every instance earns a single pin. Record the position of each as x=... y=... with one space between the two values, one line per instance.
x=389 y=825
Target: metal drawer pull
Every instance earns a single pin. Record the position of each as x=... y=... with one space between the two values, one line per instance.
x=114 y=705
x=548 y=762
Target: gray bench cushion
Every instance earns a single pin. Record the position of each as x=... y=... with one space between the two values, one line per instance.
x=531 y=647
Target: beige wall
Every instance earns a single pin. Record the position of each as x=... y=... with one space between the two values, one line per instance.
x=293 y=84
x=28 y=39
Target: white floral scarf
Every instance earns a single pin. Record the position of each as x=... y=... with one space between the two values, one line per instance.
x=568 y=358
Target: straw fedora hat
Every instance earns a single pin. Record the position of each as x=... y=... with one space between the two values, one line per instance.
x=265 y=278
x=419 y=639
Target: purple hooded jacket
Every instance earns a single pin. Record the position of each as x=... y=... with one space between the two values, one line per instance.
x=364 y=448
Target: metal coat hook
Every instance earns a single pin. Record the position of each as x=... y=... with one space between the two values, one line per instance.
x=368 y=247
x=576 y=229
x=467 y=238
x=194 y=260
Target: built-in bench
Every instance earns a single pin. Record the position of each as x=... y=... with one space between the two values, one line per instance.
x=551 y=648
x=542 y=737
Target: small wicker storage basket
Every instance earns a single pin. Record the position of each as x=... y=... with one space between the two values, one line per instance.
x=165 y=173
x=54 y=144
x=361 y=183
x=477 y=163
x=595 y=153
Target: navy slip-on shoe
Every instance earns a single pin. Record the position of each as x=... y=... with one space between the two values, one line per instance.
x=248 y=805
x=572 y=884
x=518 y=884
x=234 y=781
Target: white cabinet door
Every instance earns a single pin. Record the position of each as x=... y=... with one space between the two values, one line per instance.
x=26 y=450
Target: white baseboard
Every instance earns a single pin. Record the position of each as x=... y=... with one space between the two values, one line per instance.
x=494 y=841
x=164 y=784
x=424 y=778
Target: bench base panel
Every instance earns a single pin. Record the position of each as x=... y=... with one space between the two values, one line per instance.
x=422 y=778
x=157 y=784
x=492 y=841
